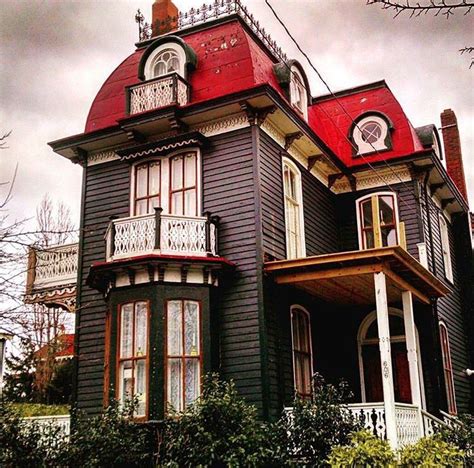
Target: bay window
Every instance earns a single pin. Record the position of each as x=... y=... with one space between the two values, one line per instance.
x=132 y=354
x=183 y=353
x=377 y=220
x=172 y=183
x=302 y=351
x=295 y=242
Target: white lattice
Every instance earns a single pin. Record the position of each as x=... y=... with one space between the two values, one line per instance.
x=372 y=416
x=407 y=419
x=157 y=93
x=56 y=265
x=181 y=235
x=134 y=236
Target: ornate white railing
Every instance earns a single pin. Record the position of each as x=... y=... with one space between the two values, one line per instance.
x=54 y=266
x=176 y=235
x=431 y=423
x=372 y=416
x=63 y=422
x=407 y=419
x=156 y=93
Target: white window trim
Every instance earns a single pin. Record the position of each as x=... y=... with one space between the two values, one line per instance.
x=150 y=63
x=364 y=147
x=165 y=179
x=358 y=213
x=445 y=248
x=303 y=309
x=299 y=193
x=361 y=341
x=294 y=72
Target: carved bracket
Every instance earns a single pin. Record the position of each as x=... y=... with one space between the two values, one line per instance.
x=448 y=201
x=435 y=187
x=312 y=160
x=290 y=138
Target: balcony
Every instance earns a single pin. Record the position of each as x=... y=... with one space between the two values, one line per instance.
x=157 y=93
x=159 y=234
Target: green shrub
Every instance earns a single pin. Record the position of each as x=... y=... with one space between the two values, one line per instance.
x=313 y=427
x=26 y=410
x=461 y=434
x=219 y=429
x=111 y=439
x=432 y=451
x=364 y=449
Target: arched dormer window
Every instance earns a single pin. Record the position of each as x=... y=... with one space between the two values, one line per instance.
x=377 y=220
x=167 y=58
x=371 y=133
x=294 y=221
x=298 y=94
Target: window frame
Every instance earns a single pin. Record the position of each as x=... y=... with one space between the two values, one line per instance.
x=165 y=181
x=448 y=373
x=376 y=223
x=147 y=197
x=304 y=311
x=301 y=240
x=295 y=77
x=445 y=248
x=184 y=189
x=182 y=357
x=382 y=144
x=119 y=360
x=152 y=59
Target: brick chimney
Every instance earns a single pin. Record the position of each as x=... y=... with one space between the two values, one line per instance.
x=452 y=150
x=164 y=17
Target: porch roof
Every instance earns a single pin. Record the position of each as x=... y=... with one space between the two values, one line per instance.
x=347 y=277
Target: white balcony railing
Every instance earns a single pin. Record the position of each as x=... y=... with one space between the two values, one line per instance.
x=62 y=422
x=176 y=235
x=156 y=93
x=53 y=266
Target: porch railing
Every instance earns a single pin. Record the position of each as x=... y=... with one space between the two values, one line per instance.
x=52 y=266
x=62 y=422
x=162 y=234
x=411 y=422
x=159 y=92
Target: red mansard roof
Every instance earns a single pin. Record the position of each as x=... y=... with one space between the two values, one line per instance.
x=65 y=347
x=228 y=60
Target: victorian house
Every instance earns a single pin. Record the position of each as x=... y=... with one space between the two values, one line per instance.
x=232 y=222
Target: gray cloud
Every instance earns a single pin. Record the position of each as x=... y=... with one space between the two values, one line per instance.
x=57 y=54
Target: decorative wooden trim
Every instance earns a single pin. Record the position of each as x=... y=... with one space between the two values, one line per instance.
x=101 y=157
x=290 y=138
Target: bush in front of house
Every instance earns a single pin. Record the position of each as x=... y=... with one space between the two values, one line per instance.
x=314 y=426
x=461 y=434
x=219 y=429
x=432 y=451
x=364 y=449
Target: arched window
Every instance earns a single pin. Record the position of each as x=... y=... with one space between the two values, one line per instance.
x=371 y=134
x=447 y=367
x=166 y=58
x=377 y=220
x=448 y=267
x=302 y=350
x=298 y=94
x=295 y=242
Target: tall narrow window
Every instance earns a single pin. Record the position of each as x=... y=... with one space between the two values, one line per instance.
x=448 y=368
x=448 y=268
x=183 y=184
x=183 y=360
x=298 y=94
x=295 y=244
x=302 y=354
x=132 y=355
x=377 y=221
x=147 y=187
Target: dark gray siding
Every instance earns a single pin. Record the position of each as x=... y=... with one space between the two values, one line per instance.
x=106 y=194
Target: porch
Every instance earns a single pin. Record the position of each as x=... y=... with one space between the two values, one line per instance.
x=364 y=304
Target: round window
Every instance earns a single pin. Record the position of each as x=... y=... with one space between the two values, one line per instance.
x=371 y=132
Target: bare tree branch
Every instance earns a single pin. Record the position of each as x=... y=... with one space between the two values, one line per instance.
x=415 y=9
x=468 y=50
x=3 y=143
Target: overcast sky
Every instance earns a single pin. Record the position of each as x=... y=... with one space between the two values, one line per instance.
x=55 y=55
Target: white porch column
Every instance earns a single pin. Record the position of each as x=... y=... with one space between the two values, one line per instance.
x=385 y=357
x=412 y=352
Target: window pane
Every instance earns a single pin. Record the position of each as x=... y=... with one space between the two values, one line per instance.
x=389 y=236
x=160 y=69
x=387 y=214
x=304 y=332
x=190 y=202
x=154 y=203
x=367 y=213
x=174 y=383
x=296 y=331
x=173 y=65
x=190 y=170
x=140 y=328
x=369 y=239
x=141 y=181
x=140 y=386
x=141 y=207
x=126 y=331
x=174 y=318
x=126 y=381
x=191 y=330
x=177 y=203
x=191 y=380
x=154 y=177
x=177 y=173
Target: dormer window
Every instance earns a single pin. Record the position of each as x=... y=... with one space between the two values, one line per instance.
x=166 y=62
x=371 y=134
x=165 y=59
x=298 y=95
